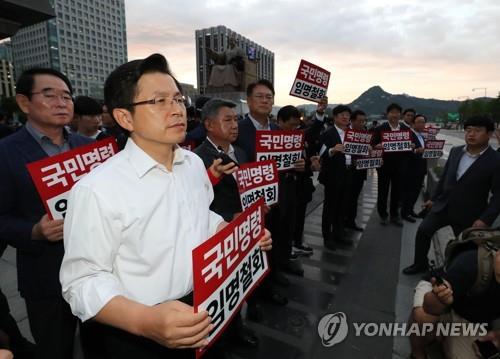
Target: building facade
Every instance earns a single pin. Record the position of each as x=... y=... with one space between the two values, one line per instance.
x=85 y=41
x=7 y=82
x=217 y=39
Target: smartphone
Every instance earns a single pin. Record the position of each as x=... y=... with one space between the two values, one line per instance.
x=225 y=158
x=488 y=350
x=434 y=273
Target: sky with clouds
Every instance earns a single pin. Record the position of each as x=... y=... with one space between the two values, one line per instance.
x=427 y=48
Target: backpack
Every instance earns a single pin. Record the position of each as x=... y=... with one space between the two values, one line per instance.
x=487 y=242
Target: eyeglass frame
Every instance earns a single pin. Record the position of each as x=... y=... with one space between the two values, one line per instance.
x=186 y=101
x=43 y=92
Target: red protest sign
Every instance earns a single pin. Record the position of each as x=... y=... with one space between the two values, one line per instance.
x=285 y=147
x=311 y=82
x=433 y=149
x=257 y=180
x=396 y=141
x=357 y=142
x=228 y=267
x=373 y=160
x=189 y=145
x=55 y=176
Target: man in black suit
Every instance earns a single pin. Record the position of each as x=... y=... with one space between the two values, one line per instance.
x=335 y=176
x=260 y=100
x=358 y=177
x=45 y=96
x=417 y=169
x=320 y=123
x=392 y=173
x=461 y=196
x=221 y=123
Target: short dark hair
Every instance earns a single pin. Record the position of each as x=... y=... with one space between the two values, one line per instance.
x=356 y=114
x=262 y=82
x=409 y=110
x=120 y=87
x=87 y=106
x=480 y=121
x=339 y=109
x=287 y=112
x=393 y=106
x=211 y=107
x=421 y=115
x=24 y=84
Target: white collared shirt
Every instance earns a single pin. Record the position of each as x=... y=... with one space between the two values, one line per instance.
x=397 y=128
x=257 y=124
x=341 y=132
x=130 y=228
x=467 y=160
x=419 y=137
x=230 y=152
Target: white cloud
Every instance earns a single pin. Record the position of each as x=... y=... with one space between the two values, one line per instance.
x=426 y=47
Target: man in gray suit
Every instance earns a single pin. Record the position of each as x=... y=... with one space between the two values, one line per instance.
x=461 y=197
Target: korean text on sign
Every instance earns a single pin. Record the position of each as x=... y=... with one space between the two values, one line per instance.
x=285 y=147
x=357 y=143
x=373 y=160
x=257 y=180
x=55 y=176
x=396 y=141
x=227 y=267
x=433 y=149
x=311 y=82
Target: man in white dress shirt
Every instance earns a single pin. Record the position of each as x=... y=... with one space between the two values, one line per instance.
x=133 y=222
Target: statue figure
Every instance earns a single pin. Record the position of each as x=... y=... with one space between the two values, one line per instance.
x=229 y=66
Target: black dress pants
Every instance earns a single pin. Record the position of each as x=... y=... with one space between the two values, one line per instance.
x=390 y=177
x=413 y=187
x=432 y=223
x=53 y=327
x=355 y=187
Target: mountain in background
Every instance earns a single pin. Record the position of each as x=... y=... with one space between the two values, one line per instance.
x=375 y=100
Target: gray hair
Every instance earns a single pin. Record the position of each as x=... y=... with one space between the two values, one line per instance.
x=211 y=108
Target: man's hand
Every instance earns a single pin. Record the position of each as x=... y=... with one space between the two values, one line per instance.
x=315 y=164
x=378 y=147
x=419 y=150
x=175 y=325
x=300 y=165
x=266 y=242
x=479 y=224
x=443 y=292
x=6 y=354
x=47 y=229
x=427 y=204
x=338 y=148
x=492 y=336
x=218 y=170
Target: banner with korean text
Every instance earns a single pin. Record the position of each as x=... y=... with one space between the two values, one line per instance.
x=311 y=82
x=55 y=176
x=257 y=180
x=373 y=160
x=285 y=147
x=433 y=149
x=396 y=141
x=228 y=267
x=357 y=143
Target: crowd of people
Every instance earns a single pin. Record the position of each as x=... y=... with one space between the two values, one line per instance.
x=118 y=266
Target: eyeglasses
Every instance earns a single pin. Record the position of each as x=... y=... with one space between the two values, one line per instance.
x=165 y=102
x=52 y=96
